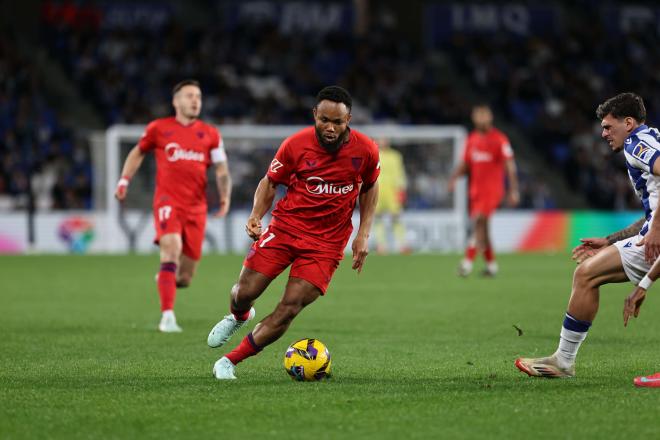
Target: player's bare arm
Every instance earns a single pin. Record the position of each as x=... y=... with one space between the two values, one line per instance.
x=263 y=200
x=513 y=196
x=131 y=165
x=590 y=246
x=624 y=233
x=461 y=170
x=368 y=201
x=224 y=184
x=652 y=239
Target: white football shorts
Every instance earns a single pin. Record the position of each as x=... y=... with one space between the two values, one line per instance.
x=632 y=257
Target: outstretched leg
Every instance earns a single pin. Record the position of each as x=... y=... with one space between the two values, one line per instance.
x=298 y=294
x=603 y=268
x=251 y=284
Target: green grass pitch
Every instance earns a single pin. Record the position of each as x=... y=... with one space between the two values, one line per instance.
x=417 y=353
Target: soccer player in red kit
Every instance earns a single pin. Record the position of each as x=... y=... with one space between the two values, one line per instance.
x=326 y=169
x=184 y=147
x=486 y=156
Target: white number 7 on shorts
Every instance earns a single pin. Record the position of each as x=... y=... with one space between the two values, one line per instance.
x=267 y=239
x=164 y=213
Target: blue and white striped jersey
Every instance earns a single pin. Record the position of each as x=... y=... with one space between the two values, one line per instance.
x=641 y=149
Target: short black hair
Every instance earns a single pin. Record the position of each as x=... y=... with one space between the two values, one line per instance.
x=185 y=82
x=481 y=104
x=622 y=106
x=335 y=94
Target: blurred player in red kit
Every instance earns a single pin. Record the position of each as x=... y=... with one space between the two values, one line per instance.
x=326 y=169
x=184 y=147
x=486 y=157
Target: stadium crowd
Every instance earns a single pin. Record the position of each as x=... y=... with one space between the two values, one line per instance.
x=549 y=87
x=36 y=149
x=251 y=72
x=254 y=73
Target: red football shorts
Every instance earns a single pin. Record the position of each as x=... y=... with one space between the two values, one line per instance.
x=310 y=260
x=483 y=205
x=170 y=219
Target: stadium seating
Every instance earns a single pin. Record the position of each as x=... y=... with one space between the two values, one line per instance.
x=549 y=87
x=35 y=147
x=128 y=75
x=253 y=73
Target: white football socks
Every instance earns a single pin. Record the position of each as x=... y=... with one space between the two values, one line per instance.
x=569 y=344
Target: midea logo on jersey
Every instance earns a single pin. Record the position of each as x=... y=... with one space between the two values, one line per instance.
x=174 y=152
x=316 y=185
x=481 y=156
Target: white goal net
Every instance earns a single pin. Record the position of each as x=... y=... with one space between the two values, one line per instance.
x=434 y=220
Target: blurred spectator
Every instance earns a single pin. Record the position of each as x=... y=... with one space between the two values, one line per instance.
x=255 y=72
x=549 y=87
x=33 y=144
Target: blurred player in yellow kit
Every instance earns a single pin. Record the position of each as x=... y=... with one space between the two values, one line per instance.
x=391 y=199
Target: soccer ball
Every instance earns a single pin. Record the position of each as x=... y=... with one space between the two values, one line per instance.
x=307 y=360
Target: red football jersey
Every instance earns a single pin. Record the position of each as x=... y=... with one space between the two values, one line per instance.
x=183 y=153
x=322 y=187
x=485 y=155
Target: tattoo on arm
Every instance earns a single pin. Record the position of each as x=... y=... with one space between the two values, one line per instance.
x=628 y=232
x=224 y=184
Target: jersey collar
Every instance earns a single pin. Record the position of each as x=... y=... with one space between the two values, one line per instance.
x=192 y=124
x=638 y=129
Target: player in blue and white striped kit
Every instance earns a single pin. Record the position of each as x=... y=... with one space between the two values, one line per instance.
x=625 y=255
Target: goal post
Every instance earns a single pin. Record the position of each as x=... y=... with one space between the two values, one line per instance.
x=434 y=222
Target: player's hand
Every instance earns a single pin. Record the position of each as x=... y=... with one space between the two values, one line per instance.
x=588 y=248
x=253 y=228
x=122 y=188
x=360 y=251
x=513 y=198
x=651 y=241
x=223 y=208
x=632 y=304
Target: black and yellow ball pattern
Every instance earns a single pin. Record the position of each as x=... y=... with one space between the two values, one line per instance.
x=307 y=360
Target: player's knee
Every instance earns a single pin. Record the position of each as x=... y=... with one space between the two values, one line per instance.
x=170 y=243
x=585 y=274
x=241 y=293
x=170 y=252
x=236 y=291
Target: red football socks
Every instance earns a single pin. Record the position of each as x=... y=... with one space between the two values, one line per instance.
x=489 y=255
x=167 y=285
x=470 y=253
x=240 y=316
x=244 y=350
